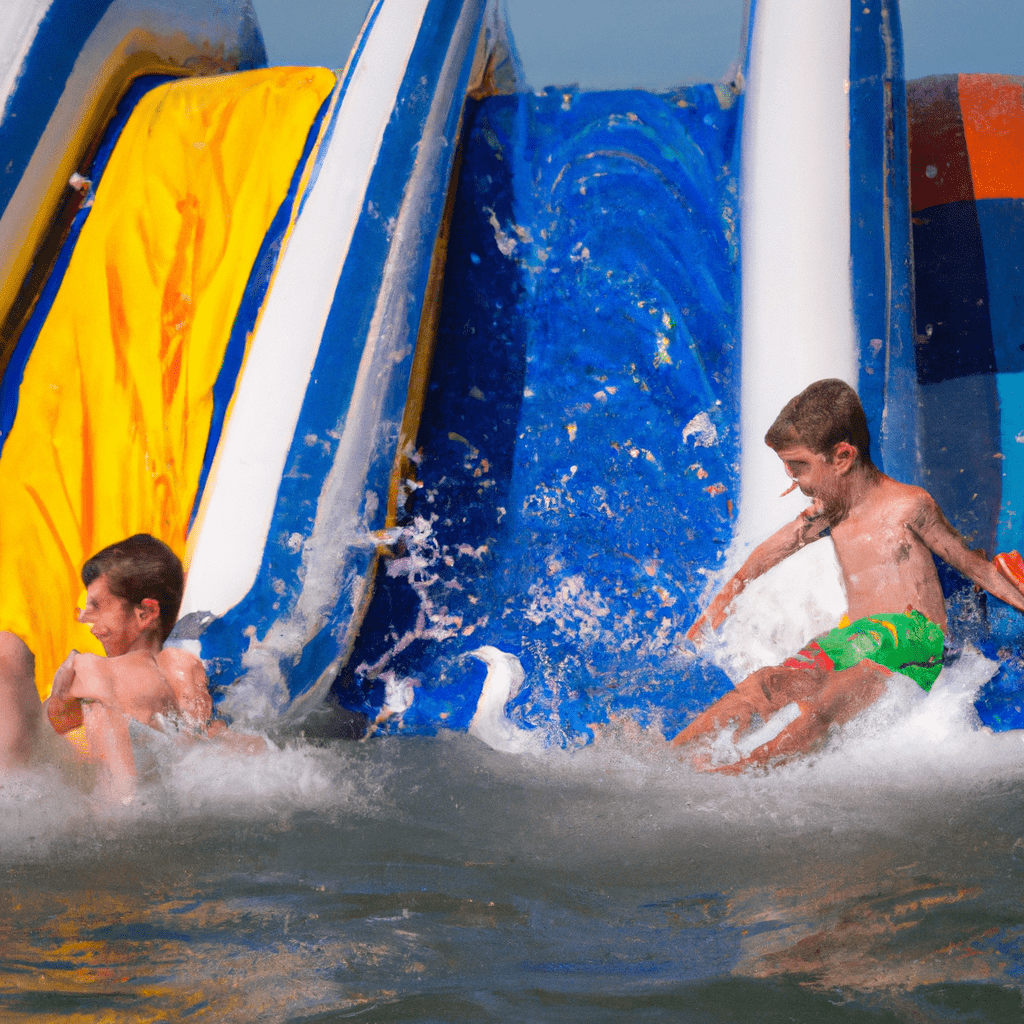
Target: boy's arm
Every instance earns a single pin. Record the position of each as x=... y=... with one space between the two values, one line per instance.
x=110 y=743
x=63 y=709
x=87 y=678
x=807 y=527
x=81 y=677
x=936 y=532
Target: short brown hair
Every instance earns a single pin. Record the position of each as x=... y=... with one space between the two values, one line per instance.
x=141 y=567
x=824 y=414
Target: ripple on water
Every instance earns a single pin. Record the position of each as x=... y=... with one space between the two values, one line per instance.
x=424 y=878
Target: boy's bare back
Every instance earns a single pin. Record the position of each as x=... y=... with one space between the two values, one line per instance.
x=186 y=676
x=142 y=685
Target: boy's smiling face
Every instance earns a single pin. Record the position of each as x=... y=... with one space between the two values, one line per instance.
x=809 y=470
x=818 y=477
x=115 y=623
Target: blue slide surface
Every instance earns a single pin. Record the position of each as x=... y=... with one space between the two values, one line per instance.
x=579 y=445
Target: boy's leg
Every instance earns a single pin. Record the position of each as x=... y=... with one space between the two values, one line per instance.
x=845 y=694
x=20 y=708
x=762 y=693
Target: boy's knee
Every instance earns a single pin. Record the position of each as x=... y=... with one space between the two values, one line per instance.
x=15 y=657
x=17 y=675
x=20 y=708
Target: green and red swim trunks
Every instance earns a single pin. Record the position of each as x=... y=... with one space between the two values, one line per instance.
x=910 y=644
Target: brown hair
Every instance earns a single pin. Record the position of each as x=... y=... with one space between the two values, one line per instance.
x=141 y=567
x=824 y=414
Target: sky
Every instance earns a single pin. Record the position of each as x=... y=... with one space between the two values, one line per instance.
x=656 y=44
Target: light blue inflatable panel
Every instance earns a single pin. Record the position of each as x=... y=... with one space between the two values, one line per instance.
x=968 y=256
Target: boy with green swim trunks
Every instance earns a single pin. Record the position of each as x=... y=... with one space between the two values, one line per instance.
x=885 y=534
x=908 y=644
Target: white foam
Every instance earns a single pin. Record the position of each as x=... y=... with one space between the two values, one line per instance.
x=490 y=723
x=777 y=614
x=755 y=738
x=49 y=806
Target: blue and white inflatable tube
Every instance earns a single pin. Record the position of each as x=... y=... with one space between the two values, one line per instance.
x=307 y=479
x=64 y=65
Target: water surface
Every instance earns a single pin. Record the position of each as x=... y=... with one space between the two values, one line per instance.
x=433 y=879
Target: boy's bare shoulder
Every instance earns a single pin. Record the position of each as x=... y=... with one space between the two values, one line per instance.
x=908 y=507
x=177 y=660
x=91 y=680
x=103 y=679
x=87 y=660
x=908 y=500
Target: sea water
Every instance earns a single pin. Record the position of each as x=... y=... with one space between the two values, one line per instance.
x=436 y=879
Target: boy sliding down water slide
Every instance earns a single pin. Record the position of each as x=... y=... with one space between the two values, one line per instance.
x=133 y=592
x=884 y=534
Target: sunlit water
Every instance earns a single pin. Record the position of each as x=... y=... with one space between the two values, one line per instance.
x=438 y=880
x=435 y=879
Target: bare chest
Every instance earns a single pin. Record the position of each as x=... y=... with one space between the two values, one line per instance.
x=874 y=539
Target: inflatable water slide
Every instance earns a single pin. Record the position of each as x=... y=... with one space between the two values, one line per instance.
x=217 y=292
x=636 y=284
x=411 y=364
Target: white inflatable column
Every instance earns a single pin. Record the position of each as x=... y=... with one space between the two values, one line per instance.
x=797 y=296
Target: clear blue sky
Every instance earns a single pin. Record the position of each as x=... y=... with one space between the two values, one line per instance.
x=654 y=44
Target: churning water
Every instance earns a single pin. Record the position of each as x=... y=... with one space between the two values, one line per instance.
x=434 y=879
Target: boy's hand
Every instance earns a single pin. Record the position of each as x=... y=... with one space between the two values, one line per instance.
x=63 y=676
x=63 y=711
x=1011 y=568
x=716 y=612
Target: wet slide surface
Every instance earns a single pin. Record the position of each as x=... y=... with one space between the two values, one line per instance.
x=117 y=388
x=578 y=453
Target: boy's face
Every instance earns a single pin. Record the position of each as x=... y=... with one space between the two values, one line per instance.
x=115 y=622
x=815 y=476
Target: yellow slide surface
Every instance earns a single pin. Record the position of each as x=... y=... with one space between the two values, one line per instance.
x=115 y=406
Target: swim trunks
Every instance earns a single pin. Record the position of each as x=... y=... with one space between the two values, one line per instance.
x=910 y=644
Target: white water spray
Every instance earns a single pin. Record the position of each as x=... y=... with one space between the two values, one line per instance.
x=490 y=723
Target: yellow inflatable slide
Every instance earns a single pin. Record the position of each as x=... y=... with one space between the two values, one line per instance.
x=115 y=402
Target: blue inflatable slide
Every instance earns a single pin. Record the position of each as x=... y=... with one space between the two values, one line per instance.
x=450 y=393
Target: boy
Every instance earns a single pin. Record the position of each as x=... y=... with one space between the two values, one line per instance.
x=133 y=592
x=884 y=534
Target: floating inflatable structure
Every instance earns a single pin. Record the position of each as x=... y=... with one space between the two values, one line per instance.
x=409 y=363
x=226 y=318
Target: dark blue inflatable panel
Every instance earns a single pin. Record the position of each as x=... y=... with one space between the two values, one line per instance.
x=880 y=237
x=42 y=80
x=579 y=455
